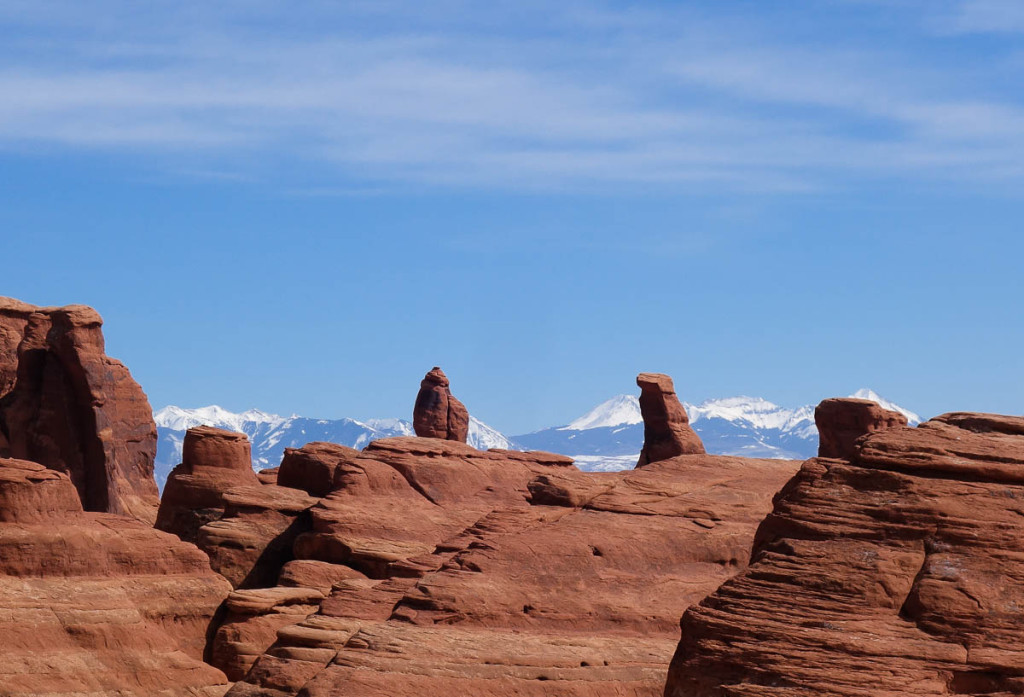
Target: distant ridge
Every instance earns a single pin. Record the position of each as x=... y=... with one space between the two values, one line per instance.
x=606 y=438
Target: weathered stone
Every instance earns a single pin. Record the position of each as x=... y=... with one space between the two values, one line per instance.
x=667 y=431
x=68 y=406
x=437 y=414
x=841 y=422
x=899 y=571
x=213 y=461
x=95 y=604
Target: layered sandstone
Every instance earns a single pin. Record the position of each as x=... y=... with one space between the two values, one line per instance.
x=667 y=431
x=841 y=421
x=437 y=414
x=94 y=604
x=66 y=405
x=435 y=568
x=213 y=461
x=899 y=571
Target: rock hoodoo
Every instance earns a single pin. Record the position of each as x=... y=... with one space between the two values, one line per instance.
x=437 y=413
x=66 y=405
x=895 y=572
x=95 y=604
x=212 y=462
x=841 y=422
x=667 y=431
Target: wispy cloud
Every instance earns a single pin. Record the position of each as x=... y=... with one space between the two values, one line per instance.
x=515 y=96
x=982 y=16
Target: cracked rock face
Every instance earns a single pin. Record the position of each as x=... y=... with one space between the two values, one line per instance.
x=897 y=572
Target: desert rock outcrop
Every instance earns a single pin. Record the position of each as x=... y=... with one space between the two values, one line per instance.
x=437 y=414
x=212 y=462
x=66 y=405
x=899 y=571
x=95 y=604
x=842 y=421
x=435 y=568
x=667 y=431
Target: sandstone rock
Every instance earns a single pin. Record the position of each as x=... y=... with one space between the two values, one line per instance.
x=437 y=413
x=457 y=571
x=66 y=405
x=897 y=572
x=312 y=467
x=250 y=543
x=667 y=431
x=94 y=604
x=213 y=461
x=841 y=422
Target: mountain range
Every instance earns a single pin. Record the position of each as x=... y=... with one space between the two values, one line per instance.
x=608 y=437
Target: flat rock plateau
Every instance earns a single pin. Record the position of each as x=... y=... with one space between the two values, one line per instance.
x=893 y=564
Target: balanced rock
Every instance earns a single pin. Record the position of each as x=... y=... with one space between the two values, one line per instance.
x=213 y=461
x=66 y=405
x=841 y=422
x=437 y=414
x=898 y=571
x=95 y=604
x=667 y=431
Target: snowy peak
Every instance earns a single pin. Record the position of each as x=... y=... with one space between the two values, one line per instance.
x=865 y=393
x=623 y=409
x=179 y=419
x=754 y=411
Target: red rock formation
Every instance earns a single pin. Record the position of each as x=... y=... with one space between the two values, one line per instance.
x=437 y=413
x=312 y=467
x=667 y=431
x=65 y=404
x=213 y=461
x=898 y=572
x=841 y=422
x=447 y=570
x=94 y=604
x=254 y=538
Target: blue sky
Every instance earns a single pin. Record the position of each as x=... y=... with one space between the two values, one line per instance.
x=303 y=207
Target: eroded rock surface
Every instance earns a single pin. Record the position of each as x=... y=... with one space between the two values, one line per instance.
x=842 y=421
x=66 y=405
x=897 y=572
x=437 y=414
x=667 y=431
x=95 y=604
x=435 y=568
x=212 y=462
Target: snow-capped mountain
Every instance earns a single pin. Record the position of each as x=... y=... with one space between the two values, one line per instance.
x=608 y=437
x=270 y=434
x=865 y=393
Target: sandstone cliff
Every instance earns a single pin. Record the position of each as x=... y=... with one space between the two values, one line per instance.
x=95 y=604
x=67 y=405
x=899 y=571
